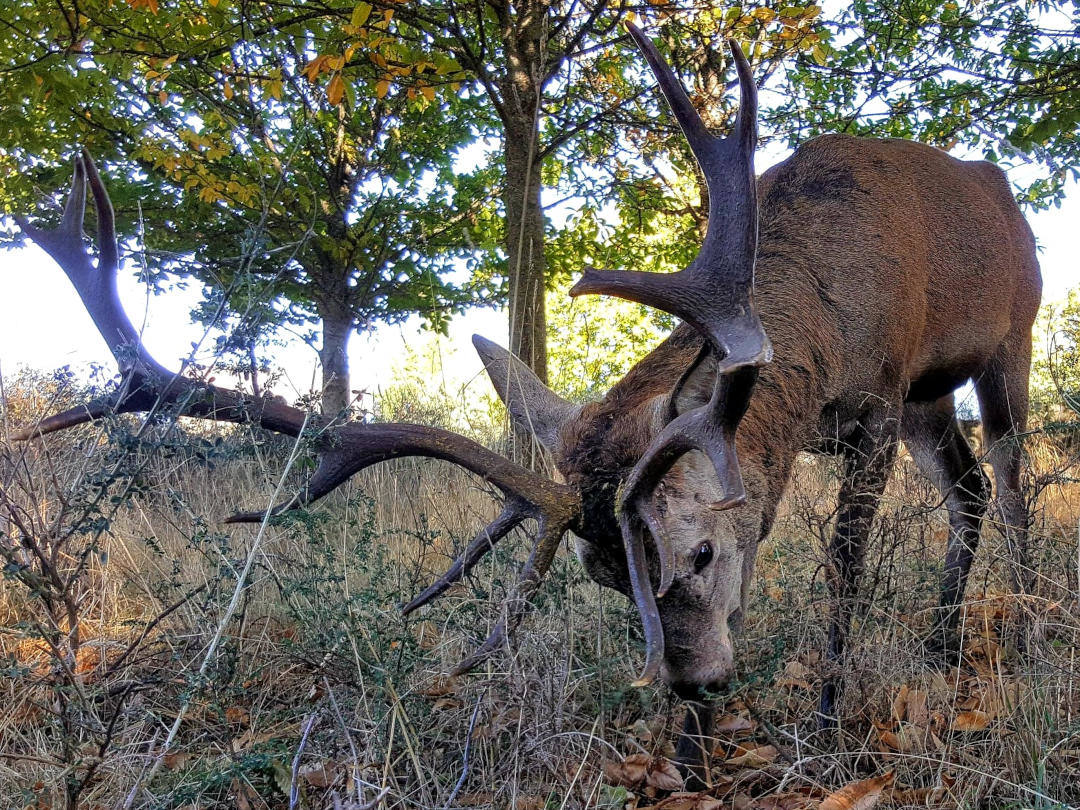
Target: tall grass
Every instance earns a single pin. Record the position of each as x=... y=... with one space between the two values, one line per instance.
x=138 y=670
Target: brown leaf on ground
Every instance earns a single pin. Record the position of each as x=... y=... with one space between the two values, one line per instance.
x=795 y=676
x=321 y=775
x=475 y=799
x=176 y=761
x=437 y=687
x=908 y=738
x=663 y=775
x=734 y=723
x=752 y=756
x=910 y=705
x=974 y=720
x=237 y=716
x=861 y=795
x=638 y=770
x=785 y=801
x=687 y=801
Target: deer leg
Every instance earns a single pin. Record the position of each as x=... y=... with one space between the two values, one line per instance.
x=1003 y=401
x=934 y=439
x=867 y=460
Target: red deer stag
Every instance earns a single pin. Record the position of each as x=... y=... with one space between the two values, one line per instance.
x=887 y=274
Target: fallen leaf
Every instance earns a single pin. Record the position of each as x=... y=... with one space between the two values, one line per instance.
x=795 y=676
x=321 y=775
x=663 y=775
x=642 y=769
x=974 y=720
x=785 y=801
x=237 y=716
x=861 y=795
x=909 y=738
x=439 y=686
x=177 y=761
x=688 y=801
x=753 y=757
x=475 y=799
x=734 y=723
x=910 y=704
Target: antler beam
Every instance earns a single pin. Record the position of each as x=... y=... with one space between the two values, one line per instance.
x=344 y=449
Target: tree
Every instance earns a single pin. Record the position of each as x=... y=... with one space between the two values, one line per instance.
x=299 y=163
x=999 y=77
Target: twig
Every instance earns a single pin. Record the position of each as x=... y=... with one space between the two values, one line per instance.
x=465 y=756
x=294 y=782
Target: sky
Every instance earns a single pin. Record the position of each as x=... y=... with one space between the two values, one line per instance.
x=44 y=326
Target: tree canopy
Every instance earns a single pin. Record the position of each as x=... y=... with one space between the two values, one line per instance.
x=348 y=163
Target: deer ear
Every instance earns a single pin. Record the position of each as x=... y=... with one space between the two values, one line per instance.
x=533 y=406
x=695 y=387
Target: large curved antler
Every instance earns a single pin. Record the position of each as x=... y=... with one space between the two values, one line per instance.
x=715 y=295
x=344 y=449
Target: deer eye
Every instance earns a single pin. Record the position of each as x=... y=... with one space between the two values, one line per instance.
x=703 y=557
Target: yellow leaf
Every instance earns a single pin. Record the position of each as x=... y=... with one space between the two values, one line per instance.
x=360 y=14
x=274 y=89
x=429 y=92
x=336 y=90
x=227 y=88
x=335 y=62
x=763 y=13
x=312 y=68
x=861 y=795
x=382 y=88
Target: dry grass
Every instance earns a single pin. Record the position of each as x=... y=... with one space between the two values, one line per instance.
x=315 y=684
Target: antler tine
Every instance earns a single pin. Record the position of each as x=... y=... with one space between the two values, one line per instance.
x=347 y=449
x=745 y=130
x=108 y=254
x=634 y=544
x=548 y=536
x=703 y=144
x=515 y=510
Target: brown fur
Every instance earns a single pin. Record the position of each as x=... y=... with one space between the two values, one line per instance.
x=884 y=267
x=887 y=274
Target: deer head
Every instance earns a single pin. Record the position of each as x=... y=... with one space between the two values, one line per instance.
x=669 y=472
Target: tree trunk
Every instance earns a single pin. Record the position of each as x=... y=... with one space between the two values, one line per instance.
x=337 y=327
x=526 y=269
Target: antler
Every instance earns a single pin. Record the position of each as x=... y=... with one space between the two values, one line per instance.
x=344 y=449
x=715 y=295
